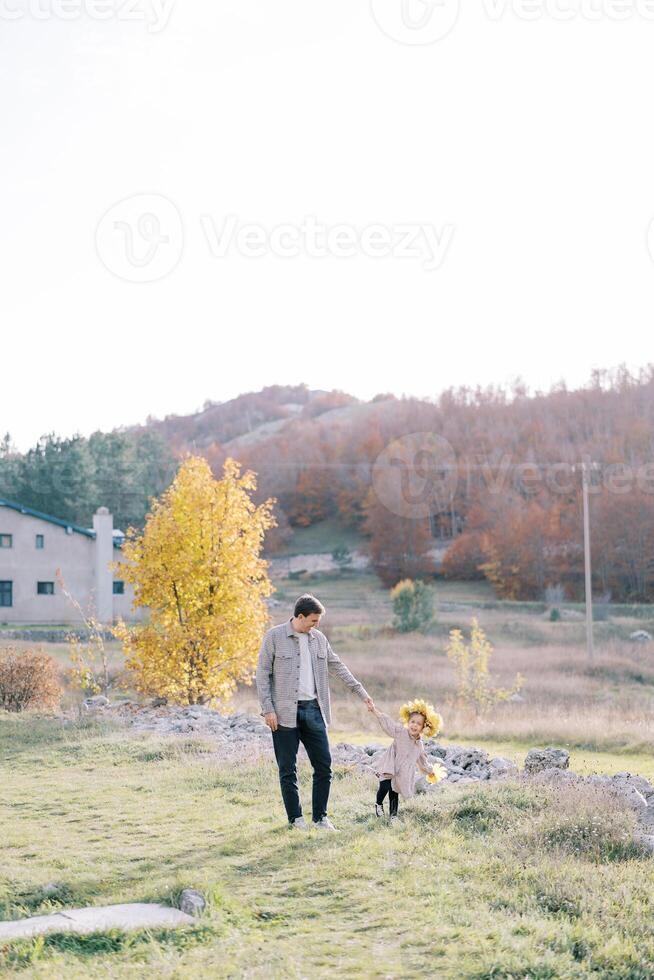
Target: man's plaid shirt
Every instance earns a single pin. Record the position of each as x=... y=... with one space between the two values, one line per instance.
x=278 y=673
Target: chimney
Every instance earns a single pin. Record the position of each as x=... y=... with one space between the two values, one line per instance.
x=103 y=525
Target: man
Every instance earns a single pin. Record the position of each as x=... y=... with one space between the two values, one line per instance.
x=293 y=688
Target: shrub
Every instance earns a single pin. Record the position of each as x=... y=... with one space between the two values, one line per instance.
x=90 y=665
x=28 y=680
x=413 y=606
x=554 y=595
x=471 y=661
x=342 y=556
x=601 y=608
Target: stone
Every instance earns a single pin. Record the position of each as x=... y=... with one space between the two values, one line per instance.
x=642 y=785
x=573 y=615
x=468 y=759
x=632 y=797
x=517 y=698
x=133 y=915
x=195 y=711
x=640 y=636
x=599 y=780
x=192 y=902
x=499 y=766
x=549 y=758
x=634 y=790
x=553 y=774
x=97 y=701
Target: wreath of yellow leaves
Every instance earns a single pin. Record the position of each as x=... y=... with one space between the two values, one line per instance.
x=433 y=720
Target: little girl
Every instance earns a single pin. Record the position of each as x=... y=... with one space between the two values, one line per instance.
x=396 y=767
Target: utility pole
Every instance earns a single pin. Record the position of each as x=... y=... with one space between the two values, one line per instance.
x=587 y=570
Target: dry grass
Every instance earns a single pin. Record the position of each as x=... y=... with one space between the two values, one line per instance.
x=606 y=704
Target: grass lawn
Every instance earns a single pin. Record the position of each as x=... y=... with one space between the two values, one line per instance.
x=500 y=881
x=512 y=882
x=320 y=539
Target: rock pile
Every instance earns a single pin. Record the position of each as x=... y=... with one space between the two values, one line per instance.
x=463 y=764
x=636 y=791
x=242 y=732
x=164 y=719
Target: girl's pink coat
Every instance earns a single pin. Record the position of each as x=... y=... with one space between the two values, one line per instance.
x=400 y=759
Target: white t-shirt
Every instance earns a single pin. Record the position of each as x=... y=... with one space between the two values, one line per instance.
x=307 y=682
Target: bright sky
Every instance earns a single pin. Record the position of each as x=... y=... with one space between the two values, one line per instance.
x=372 y=195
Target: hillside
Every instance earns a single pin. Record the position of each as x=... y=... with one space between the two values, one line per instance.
x=509 y=509
x=253 y=415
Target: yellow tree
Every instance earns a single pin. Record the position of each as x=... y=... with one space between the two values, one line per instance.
x=471 y=662
x=197 y=567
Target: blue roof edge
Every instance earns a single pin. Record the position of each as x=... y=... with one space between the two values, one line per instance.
x=23 y=509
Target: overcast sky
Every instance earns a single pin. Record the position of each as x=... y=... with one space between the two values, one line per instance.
x=203 y=198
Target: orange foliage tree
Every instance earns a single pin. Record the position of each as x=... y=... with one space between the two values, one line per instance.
x=399 y=547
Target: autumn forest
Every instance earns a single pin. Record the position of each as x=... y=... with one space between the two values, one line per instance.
x=508 y=506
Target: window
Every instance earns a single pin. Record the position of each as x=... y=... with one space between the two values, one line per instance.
x=39 y=541
x=6 y=540
x=119 y=588
x=45 y=588
x=6 y=589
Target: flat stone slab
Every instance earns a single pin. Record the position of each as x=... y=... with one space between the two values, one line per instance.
x=133 y=915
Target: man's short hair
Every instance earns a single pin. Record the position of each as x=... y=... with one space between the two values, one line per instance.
x=308 y=604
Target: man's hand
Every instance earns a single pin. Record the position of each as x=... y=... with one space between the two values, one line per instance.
x=370 y=704
x=271 y=720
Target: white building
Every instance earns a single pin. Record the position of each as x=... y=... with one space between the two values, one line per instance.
x=34 y=545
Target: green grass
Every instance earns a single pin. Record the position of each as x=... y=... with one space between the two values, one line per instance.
x=320 y=539
x=508 y=881
x=512 y=883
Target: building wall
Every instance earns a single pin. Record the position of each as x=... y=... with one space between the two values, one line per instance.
x=25 y=564
x=123 y=608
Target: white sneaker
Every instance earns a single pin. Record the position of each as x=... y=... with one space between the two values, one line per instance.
x=325 y=824
x=299 y=824
x=379 y=809
x=394 y=820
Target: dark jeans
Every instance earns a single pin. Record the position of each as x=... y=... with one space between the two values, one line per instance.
x=393 y=798
x=312 y=733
